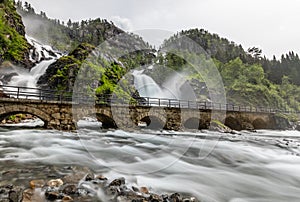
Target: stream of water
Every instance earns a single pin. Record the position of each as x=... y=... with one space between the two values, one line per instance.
x=262 y=166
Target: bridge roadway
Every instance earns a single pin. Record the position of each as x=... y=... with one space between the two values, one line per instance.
x=62 y=112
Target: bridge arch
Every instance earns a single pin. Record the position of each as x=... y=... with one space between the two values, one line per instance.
x=259 y=123
x=233 y=123
x=195 y=123
x=106 y=120
x=153 y=118
x=21 y=109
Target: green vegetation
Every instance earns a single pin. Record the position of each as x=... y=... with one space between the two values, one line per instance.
x=14 y=46
x=249 y=79
x=66 y=36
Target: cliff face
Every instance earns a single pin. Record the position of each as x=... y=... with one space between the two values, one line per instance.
x=14 y=47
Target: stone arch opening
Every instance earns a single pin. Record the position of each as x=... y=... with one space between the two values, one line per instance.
x=18 y=116
x=233 y=123
x=107 y=121
x=259 y=124
x=153 y=122
x=192 y=123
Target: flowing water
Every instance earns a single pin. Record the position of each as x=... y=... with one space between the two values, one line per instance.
x=262 y=166
x=173 y=87
x=43 y=56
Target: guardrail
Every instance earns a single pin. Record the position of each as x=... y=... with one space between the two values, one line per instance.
x=107 y=99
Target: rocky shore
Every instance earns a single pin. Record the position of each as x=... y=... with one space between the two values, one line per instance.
x=84 y=185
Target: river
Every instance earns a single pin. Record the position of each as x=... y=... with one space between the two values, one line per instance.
x=262 y=166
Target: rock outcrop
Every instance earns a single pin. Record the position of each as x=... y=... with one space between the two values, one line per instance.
x=14 y=46
x=61 y=75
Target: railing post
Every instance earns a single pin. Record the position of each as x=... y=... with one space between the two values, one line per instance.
x=159 y=102
x=205 y=105
x=18 y=92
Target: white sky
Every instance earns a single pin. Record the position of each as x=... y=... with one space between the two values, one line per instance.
x=272 y=25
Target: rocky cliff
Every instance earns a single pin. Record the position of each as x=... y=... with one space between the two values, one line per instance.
x=14 y=47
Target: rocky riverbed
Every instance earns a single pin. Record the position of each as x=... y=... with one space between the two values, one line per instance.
x=81 y=184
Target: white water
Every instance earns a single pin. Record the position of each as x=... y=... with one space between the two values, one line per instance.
x=173 y=87
x=146 y=86
x=263 y=166
x=29 y=78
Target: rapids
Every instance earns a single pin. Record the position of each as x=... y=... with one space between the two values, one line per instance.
x=262 y=166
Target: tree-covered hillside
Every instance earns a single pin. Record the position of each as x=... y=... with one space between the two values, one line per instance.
x=249 y=78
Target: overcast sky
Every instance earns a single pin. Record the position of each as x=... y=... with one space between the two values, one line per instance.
x=272 y=25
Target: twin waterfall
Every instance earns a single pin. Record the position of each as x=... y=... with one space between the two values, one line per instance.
x=44 y=55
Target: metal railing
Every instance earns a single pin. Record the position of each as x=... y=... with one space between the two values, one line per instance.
x=110 y=100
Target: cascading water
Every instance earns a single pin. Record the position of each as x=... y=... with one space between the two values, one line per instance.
x=29 y=79
x=174 y=87
x=43 y=56
x=244 y=167
x=146 y=86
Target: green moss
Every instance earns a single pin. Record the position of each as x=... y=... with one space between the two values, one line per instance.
x=12 y=118
x=219 y=124
x=291 y=117
x=13 y=44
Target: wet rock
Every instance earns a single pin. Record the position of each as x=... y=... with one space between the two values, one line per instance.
x=144 y=190
x=67 y=198
x=135 y=189
x=37 y=183
x=117 y=182
x=165 y=198
x=82 y=192
x=101 y=177
x=155 y=198
x=11 y=193
x=175 y=197
x=52 y=196
x=89 y=177
x=297 y=127
x=69 y=189
x=77 y=175
x=55 y=183
x=112 y=191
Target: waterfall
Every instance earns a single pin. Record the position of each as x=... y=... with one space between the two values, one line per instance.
x=146 y=86
x=173 y=87
x=42 y=56
x=29 y=79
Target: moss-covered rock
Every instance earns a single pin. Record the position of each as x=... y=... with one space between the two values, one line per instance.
x=14 y=47
x=61 y=75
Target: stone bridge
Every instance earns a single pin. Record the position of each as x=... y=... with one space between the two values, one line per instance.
x=65 y=115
